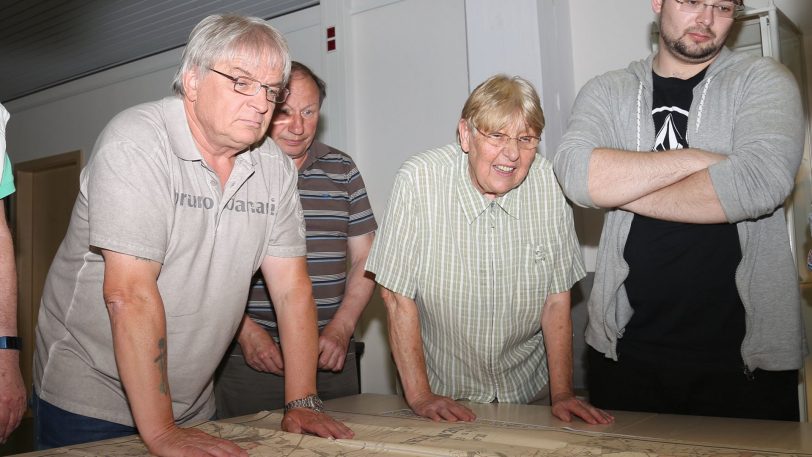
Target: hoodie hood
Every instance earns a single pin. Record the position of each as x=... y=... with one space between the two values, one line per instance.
x=641 y=70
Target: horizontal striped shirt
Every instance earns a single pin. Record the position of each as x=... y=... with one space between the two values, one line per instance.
x=479 y=270
x=336 y=208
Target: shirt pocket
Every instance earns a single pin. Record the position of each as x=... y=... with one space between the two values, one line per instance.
x=532 y=272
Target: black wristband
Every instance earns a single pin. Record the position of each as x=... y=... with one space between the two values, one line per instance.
x=11 y=342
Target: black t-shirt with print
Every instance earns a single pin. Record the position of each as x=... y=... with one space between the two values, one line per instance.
x=681 y=283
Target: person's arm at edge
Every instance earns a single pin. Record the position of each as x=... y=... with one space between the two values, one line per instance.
x=407 y=350
x=556 y=326
x=292 y=295
x=12 y=389
x=138 y=324
x=336 y=335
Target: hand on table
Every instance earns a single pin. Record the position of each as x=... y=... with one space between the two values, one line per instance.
x=567 y=405
x=190 y=442
x=304 y=420
x=438 y=408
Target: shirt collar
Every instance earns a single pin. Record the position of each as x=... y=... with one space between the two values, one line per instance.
x=472 y=202
x=315 y=152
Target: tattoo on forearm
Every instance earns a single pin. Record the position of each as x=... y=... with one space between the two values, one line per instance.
x=161 y=362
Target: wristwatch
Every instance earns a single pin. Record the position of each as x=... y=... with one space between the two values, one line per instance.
x=311 y=401
x=11 y=342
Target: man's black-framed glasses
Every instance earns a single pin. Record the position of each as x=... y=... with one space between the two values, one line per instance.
x=724 y=9
x=249 y=86
x=501 y=140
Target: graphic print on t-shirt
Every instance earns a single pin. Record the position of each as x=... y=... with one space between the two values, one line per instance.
x=670 y=136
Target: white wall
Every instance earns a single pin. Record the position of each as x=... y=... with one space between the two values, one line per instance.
x=407 y=79
x=70 y=116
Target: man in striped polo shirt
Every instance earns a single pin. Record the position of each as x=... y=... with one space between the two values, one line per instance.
x=340 y=225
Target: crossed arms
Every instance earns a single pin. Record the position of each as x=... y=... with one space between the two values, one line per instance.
x=755 y=133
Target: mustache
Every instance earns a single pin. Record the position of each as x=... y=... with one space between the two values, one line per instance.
x=701 y=30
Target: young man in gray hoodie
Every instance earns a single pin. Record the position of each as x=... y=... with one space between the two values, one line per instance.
x=695 y=307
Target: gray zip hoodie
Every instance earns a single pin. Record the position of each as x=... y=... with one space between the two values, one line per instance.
x=746 y=107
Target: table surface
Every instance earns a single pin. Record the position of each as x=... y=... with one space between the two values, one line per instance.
x=730 y=434
x=736 y=433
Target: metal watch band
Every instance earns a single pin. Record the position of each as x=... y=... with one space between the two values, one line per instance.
x=311 y=401
x=11 y=342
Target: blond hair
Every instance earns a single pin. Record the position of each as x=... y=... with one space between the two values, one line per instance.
x=501 y=101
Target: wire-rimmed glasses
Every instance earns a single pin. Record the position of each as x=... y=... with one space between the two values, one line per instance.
x=249 y=86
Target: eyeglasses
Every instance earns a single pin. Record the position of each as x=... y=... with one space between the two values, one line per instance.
x=501 y=140
x=721 y=9
x=248 y=86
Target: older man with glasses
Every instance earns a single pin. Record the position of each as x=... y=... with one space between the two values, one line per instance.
x=695 y=307
x=181 y=202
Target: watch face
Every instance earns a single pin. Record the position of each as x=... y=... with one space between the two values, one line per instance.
x=318 y=404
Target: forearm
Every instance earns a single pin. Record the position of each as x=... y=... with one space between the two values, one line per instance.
x=139 y=341
x=407 y=344
x=691 y=200
x=138 y=325
x=357 y=294
x=298 y=334
x=8 y=280
x=556 y=326
x=292 y=296
x=618 y=177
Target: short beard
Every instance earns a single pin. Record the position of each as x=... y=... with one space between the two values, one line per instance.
x=681 y=50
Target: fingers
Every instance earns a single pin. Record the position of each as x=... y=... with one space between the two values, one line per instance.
x=267 y=358
x=274 y=361
x=332 y=359
x=223 y=449
x=566 y=408
x=601 y=416
x=11 y=414
x=331 y=428
x=439 y=408
x=304 y=420
x=194 y=443
x=5 y=429
x=332 y=353
x=227 y=449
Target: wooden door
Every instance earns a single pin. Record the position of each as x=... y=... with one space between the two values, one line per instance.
x=46 y=191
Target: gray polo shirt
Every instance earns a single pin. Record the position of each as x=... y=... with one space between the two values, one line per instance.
x=146 y=192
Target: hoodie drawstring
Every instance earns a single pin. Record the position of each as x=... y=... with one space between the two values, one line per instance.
x=702 y=104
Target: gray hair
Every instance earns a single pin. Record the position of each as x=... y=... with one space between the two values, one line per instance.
x=221 y=37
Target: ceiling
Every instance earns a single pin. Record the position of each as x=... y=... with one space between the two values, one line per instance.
x=44 y=43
